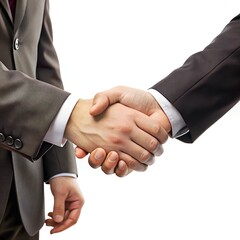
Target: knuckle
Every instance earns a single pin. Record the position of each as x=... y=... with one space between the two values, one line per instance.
x=159 y=132
x=145 y=155
x=125 y=128
x=153 y=143
x=165 y=137
x=156 y=129
x=99 y=94
x=116 y=140
x=135 y=165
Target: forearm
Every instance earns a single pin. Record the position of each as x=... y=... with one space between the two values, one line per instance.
x=207 y=85
x=27 y=111
x=59 y=160
x=177 y=124
x=55 y=134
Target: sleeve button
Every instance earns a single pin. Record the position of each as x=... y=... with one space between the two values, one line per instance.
x=9 y=140
x=2 y=137
x=18 y=143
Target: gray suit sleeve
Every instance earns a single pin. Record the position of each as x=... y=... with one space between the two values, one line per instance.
x=26 y=112
x=31 y=96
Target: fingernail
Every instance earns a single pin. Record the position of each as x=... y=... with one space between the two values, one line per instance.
x=121 y=165
x=58 y=218
x=112 y=157
x=93 y=107
x=158 y=151
x=99 y=155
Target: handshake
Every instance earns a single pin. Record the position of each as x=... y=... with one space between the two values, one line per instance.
x=122 y=128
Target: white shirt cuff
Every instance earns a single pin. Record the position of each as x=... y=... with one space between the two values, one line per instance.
x=73 y=175
x=178 y=125
x=56 y=130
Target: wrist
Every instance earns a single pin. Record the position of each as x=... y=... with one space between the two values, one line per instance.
x=71 y=128
x=78 y=124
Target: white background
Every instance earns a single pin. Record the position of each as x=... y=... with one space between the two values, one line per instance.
x=193 y=190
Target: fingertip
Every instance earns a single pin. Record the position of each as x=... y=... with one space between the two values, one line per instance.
x=79 y=153
x=113 y=156
x=121 y=169
x=97 y=157
x=100 y=104
x=50 y=214
x=99 y=154
x=151 y=160
x=158 y=151
x=93 y=110
x=58 y=218
x=110 y=163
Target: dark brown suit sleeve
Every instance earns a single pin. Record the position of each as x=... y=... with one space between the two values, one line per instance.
x=208 y=83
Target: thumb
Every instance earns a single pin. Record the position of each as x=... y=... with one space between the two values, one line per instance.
x=100 y=103
x=104 y=99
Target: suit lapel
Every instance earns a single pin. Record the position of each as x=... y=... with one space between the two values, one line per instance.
x=20 y=11
x=19 y=14
x=6 y=7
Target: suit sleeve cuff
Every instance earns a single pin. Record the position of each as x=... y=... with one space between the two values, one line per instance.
x=56 y=130
x=178 y=125
x=72 y=175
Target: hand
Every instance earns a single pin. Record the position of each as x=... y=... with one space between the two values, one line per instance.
x=109 y=163
x=134 y=98
x=68 y=202
x=121 y=129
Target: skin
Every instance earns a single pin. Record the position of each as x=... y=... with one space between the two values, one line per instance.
x=133 y=98
x=133 y=135
x=68 y=202
x=129 y=139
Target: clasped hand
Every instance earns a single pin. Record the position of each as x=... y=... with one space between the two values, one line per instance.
x=123 y=129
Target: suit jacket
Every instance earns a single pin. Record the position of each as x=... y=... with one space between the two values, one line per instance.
x=208 y=83
x=31 y=95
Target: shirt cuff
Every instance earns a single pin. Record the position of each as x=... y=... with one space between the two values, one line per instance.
x=178 y=125
x=73 y=175
x=56 y=130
